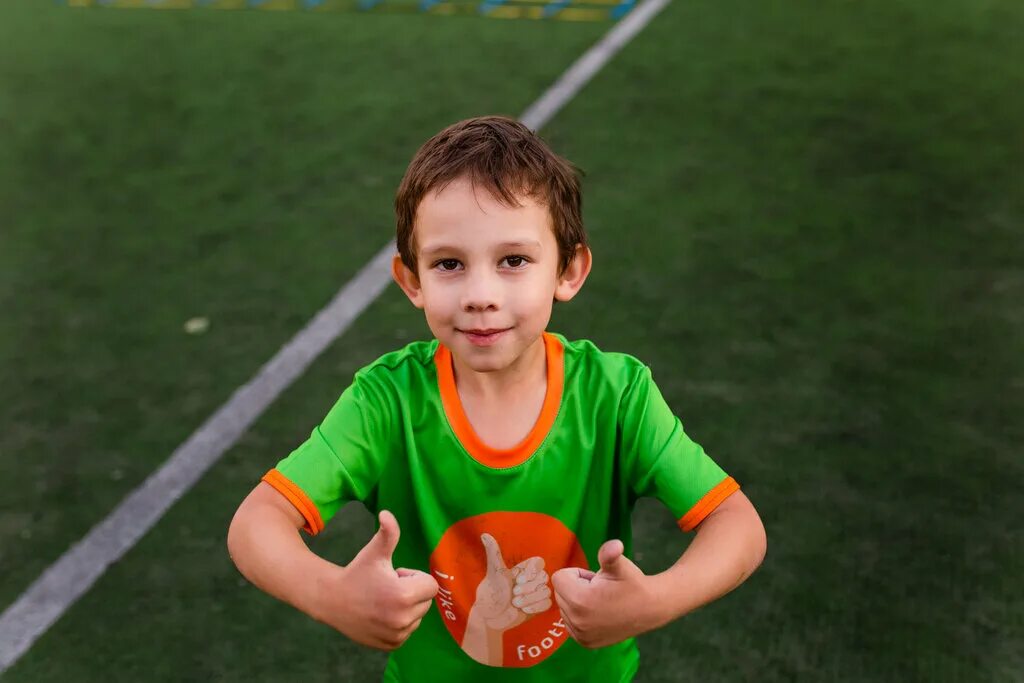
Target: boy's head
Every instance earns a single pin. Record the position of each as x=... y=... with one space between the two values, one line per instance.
x=490 y=233
x=508 y=160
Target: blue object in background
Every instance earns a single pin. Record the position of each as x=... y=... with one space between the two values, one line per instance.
x=487 y=5
x=553 y=8
x=621 y=9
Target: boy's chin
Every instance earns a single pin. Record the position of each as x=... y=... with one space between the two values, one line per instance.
x=487 y=359
x=496 y=358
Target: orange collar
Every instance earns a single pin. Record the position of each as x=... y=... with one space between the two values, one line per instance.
x=510 y=457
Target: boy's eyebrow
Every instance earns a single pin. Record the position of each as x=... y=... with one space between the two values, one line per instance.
x=431 y=250
x=519 y=245
x=434 y=249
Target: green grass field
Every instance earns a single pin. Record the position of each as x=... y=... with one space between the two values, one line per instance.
x=808 y=218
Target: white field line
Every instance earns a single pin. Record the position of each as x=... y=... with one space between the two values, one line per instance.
x=67 y=579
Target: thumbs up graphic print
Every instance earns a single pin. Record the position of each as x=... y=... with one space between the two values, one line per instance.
x=495 y=595
x=508 y=597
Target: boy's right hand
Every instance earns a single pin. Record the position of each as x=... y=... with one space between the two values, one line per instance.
x=369 y=600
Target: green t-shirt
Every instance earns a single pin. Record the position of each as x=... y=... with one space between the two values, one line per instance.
x=398 y=439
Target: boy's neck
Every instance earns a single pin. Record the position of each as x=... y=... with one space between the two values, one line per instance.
x=527 y=371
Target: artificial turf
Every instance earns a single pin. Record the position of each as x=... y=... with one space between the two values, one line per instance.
x=805 y=218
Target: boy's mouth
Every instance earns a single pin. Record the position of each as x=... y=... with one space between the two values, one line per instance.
x=484 y=337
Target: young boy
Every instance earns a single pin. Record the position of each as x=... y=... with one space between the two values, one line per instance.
x=509 y=457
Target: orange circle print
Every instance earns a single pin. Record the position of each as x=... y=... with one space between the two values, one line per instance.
x=494 y=578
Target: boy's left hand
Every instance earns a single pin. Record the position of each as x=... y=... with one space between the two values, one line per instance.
x=608 y=606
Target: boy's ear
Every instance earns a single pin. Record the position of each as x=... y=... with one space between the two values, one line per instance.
x=407 y=280
x=571 y=280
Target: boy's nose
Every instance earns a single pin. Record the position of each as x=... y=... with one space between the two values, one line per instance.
x=481 y=293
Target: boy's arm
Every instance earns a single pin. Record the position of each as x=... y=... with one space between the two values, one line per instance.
x=367 y=600
x=730 y=545
x=264 y=542
x=620 y=601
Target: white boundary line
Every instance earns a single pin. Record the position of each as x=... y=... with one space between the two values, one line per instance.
x=74 y=573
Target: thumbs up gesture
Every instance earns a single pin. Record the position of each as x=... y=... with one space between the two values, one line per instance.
x=507 y=597
x=370 y=601
x=605 y=607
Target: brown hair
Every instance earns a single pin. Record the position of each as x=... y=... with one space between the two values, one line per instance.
x=510 y=161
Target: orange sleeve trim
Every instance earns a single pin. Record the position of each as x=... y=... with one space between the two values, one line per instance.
x=708 y=503
x=554 y=354
x=298 y=498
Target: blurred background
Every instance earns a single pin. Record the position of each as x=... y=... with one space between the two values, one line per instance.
x=806 y=218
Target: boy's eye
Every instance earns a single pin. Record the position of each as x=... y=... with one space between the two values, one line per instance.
x=515 y=261
x=448 y=264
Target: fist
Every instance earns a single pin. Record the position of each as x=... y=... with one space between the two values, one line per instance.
x=605 y=607
x=373 y=603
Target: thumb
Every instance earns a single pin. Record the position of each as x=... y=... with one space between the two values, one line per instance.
x=382 y=545
x=613 y=562
x=495 y=562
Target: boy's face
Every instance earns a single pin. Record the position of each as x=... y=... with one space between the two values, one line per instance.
x=487 y=274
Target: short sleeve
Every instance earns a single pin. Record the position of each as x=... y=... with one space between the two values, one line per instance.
x=662 y=461
x=342 y=459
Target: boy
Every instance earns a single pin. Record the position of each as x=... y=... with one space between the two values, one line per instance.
x=509 y=457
